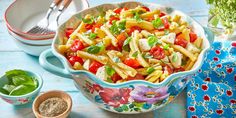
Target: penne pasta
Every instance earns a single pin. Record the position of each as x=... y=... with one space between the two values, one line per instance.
x=101 y=59
x=143 y=24
x=154 y=76
x=113 y=39
x=85 y=39
x=150 y=14
x=185 y=52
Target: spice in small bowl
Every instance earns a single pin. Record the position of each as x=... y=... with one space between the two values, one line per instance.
x=56 y=104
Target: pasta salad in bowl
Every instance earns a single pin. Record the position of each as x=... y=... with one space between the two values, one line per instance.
x=129 y=57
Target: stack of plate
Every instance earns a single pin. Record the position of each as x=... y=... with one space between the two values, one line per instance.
x=22 y=15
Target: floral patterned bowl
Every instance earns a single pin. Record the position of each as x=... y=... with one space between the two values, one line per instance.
x=23 y=99
x=130 y=97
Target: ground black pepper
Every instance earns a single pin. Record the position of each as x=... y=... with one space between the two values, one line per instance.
x=52 y=107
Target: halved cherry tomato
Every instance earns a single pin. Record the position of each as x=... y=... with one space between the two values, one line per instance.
x=157 y=52
x=112 y=18
x=111 y=47
x=88 y=26
x=69 y=31
x=181 y=41
x=193 y=36
x=77 y=45
x=115 y=77
x=97 y=25
x=162 y=14
x=146 y=8
x=179 y=69
x=133 y=28
x=73 y=59
x=131 y=62
x=125 y=8
x=93 y=67
x=136 y=77
x=121 y=38
x=169 y=69
x=118 y=10
x=165 y=22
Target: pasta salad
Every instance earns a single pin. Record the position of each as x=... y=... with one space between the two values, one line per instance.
x=132 y=44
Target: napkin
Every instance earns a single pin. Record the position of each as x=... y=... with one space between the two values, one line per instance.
x=211 y=93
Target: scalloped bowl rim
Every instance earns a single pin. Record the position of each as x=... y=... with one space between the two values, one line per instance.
x=69 y=70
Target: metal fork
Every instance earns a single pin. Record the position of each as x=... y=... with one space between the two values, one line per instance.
x=41 y=27
x=53 y=26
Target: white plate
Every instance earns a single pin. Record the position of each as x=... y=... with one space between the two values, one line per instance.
x=22 y=15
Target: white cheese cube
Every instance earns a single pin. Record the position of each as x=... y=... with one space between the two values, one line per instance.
x=143 y=45
x=170 y=38
x=190 y=47
x=176 y=59
x=101 y=73
x=86 y=64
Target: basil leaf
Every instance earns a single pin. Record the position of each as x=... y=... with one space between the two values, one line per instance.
x=137 y=17
x=94 y=49
x=174 y=57
x=22 y=80
x=157 y=23
x=88 y=21
x=101 y=45
x=166 y=47
x=22 y=90
x=152 y=41
x=110 y=71
x=126 y=44
x=116 y=60
x=150 y=70
x=4 y=91
x=135 y=54
x=8 y=88
x=11 y=73
x=147 y=56
x=114 y=28
x=122 y=25
x=92 y=35
x=109 y=80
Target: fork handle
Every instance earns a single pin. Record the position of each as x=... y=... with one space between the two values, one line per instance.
x=65 y=4
x=55 y=3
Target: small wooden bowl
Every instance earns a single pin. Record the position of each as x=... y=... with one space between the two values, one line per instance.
x=50 y=94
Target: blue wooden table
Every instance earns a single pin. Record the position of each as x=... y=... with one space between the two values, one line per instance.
x=12 y=57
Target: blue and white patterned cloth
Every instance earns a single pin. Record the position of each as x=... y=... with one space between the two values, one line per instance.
x=212 y=92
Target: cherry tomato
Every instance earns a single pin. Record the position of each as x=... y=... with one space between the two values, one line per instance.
x=165 y=22
x=88 y=26
x=69 y=31
x=112 y=18
x=77 y=45
x=118 y=10
x=146 y=8
x=136 y=77
x=115 y=77
x=94 y=66
x=125 y=8
x=121 y=38
x=131 y=62
x=111 y=47
x=193 y=36
x=98 y=25
x=169 y=69
x=149 y=19
x=157 y=52
x=162 y=14
x=181 y=41
x=133 y=28
x=179 y=69
x=73 y=59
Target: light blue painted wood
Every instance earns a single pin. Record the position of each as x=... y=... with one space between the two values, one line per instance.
x=12 y=57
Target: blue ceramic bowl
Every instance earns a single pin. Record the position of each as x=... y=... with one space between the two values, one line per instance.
x=133 y=96
x=22 y=99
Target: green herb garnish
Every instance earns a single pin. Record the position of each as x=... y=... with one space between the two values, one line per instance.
x=110 y=71
x=92 y=35
x=122 y=25
x=126 y=44
x=135 y=54
x=114 y=28
x=152 y=41
x=88 y=20
x=137 y=17
x=19 y=83
x=109 y=80
x=174 y=57
x=166 y=47
x=94 y=49
x=150 y=70
x=157 y=23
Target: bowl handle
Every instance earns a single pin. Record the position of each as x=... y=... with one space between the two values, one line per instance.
x=210 y=35
x=50 y=67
